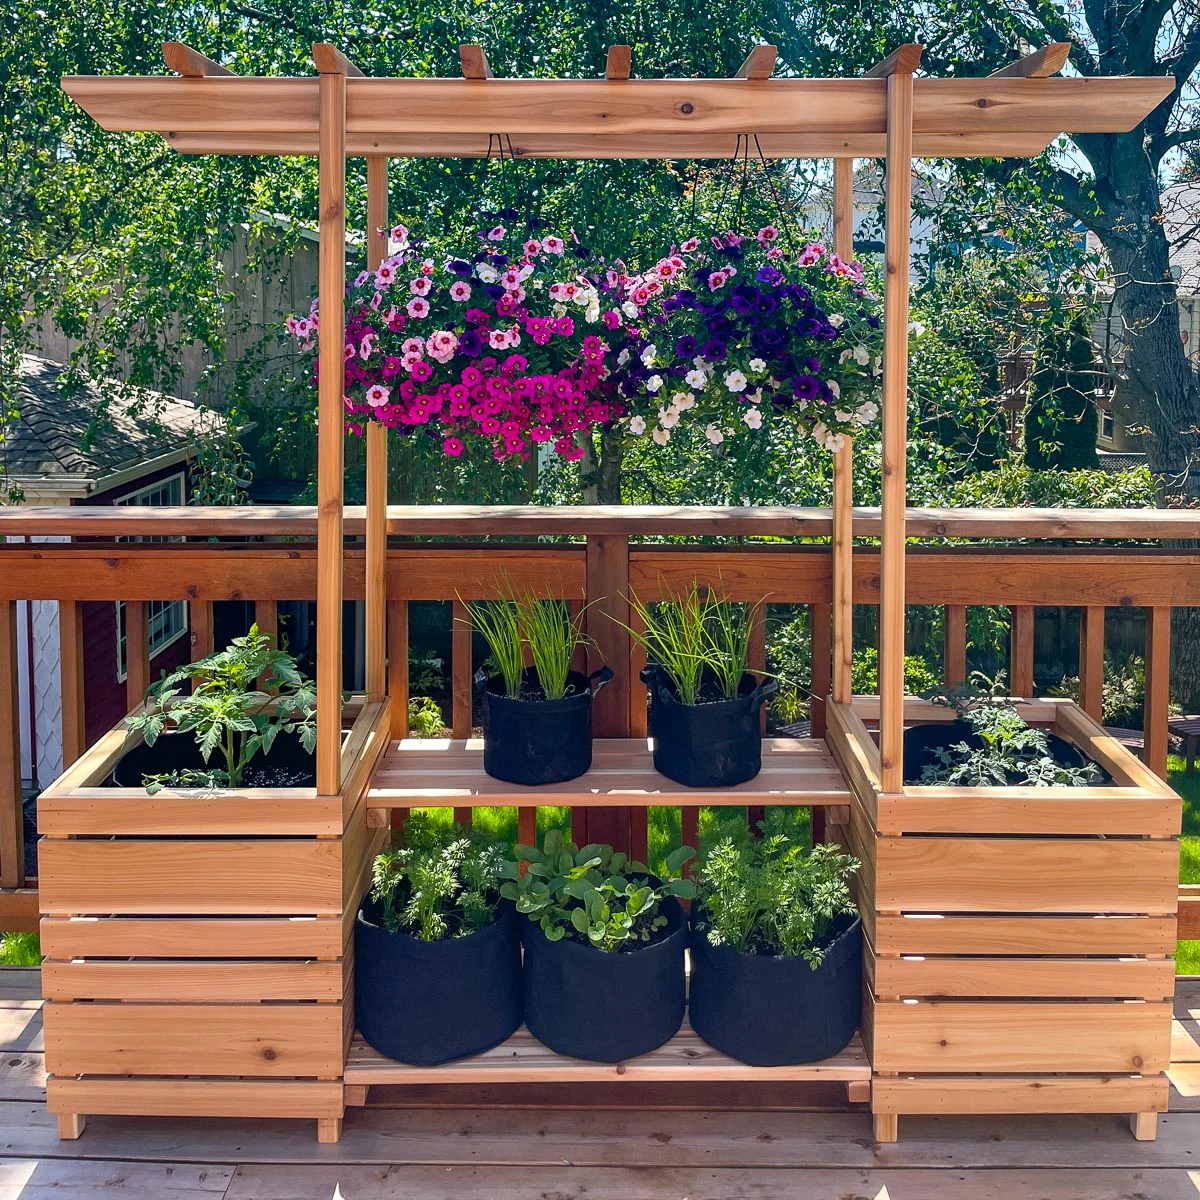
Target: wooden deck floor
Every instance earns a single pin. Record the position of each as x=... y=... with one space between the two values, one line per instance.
x=559 y=1153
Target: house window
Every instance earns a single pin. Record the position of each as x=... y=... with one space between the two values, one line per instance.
x=166 y=620
x=1106 y=424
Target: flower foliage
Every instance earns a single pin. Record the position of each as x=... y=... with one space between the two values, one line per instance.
x=739 y=330
x=502 y=343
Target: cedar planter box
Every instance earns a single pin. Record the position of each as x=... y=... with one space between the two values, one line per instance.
x=1017 y=939
x=169 y=919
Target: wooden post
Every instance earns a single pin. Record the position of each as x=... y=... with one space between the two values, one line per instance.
x=397 y=664
x=1091 y=661
x=1158 y=681
x=1020 y=664
x=895 y=429
x=461 y=684
x=330 y=419
x=954 y=646
x=843 y=477
x=12 y=820
x=376 y=554
x=137 y=653
x=266 y=617
x=200 y=613
x=70 y=665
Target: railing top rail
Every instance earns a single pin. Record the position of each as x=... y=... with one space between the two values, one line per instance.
x=612 y=520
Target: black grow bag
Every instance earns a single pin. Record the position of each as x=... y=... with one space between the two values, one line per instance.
x=921 y=742
x=709 y=745
x=538 y=741
x=591 y=1004
x=771 y=1011
x=287 y=764
x=431 y=1002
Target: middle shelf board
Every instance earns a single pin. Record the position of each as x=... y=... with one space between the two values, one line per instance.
x=523 y=1059
x=432 y=773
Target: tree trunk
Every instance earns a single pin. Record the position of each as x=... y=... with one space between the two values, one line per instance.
x=1159 y=387
x=601 y=476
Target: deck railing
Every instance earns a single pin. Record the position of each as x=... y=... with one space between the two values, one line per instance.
x=597 y=556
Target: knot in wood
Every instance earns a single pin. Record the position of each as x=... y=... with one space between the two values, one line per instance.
x=1137 y=1061
x=269 y=1054
x=687 y=108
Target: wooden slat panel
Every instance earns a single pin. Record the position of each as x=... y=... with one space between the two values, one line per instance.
x=137 y=653
x=1120 y=978
x=949 y=874
x=1091 y=661
x=166 y=877
x=1021 y=652
x=12 y=821
x=1189 y=912
x=1021 y=1094
x=950 y=1036
x=70 y=666
x=196 y=1097
x=1158 y=685
x=1015 y=934
x=197 y=937
x=201 y=1039
x=174 y=982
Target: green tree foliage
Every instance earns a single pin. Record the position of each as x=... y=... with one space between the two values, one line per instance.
x=1062 y=421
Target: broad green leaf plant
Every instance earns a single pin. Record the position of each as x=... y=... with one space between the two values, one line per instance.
x=441 y=884
x=596 y=895
x=770 y=897
x=240 y=700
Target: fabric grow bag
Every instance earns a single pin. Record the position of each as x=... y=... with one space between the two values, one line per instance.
x=772 y=1011
x=921 y=742
x=708 y=745
x=538 y=741
x=590 y=1004
x=287 y=764
x=431 y=1002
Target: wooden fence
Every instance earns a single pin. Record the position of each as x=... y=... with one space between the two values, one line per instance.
x=598 y=556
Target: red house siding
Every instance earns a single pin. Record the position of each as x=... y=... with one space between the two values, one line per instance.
x=104 y=701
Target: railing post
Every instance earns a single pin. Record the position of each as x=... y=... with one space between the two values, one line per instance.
x=954 y=646
x=1158 y=687
x=1091 y=661
x=607 y=574
x=201 y=617
x=137 y=653
x=70 y=666
x=12 y=820
x=1020 y=663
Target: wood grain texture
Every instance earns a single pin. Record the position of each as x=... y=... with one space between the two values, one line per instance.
x=12 y=822
x=619 y=62
x=1042 y=63
x=1091 y=661
x=196 y=1097
x=758 y=64
x=137 y=653
x=1158 y=685
x=200 y=614
x=949 y=1036
x=183 y=60
x=70 y=668
x=397 y=677
x=201 y=1039
x=1021 y=1094
x=1021 y=652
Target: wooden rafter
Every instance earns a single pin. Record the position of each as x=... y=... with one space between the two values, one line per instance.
x=331 y=61
x=183 y=60
x=619 y=62
x=759 y=64
x=904 y=60
x=473 y=61
x=1049 y=60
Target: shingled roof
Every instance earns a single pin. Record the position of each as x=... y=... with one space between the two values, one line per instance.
x=43 y=447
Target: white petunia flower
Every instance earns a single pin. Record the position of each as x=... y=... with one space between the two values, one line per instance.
x=753 y=418
x=845 y=354
x=661 y=436
x=648 y=355
x=623 y=357
x=861 y=355
x=835 y=388
x=735 y=381
x=630 y=309
x=682 y=401
x=654 y=383
x=916 y=328
x=842 y=418
x=637 y=424
x=757 y=365
x=668 y=418
x=837 y=320
x=714 y=435
x=695 y=378
x=867 y=412
x=487 y=273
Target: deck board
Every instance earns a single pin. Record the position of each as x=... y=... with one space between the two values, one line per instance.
x=502 y=1154
x=444 y=771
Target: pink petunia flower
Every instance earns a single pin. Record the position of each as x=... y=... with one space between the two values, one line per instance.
x=452 y=446
x=460 y=290
x=417 y=307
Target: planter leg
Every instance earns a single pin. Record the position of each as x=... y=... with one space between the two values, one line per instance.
x=1144 y=1126
x=329 y=1130
x=70 y=1126
x=886 y=1126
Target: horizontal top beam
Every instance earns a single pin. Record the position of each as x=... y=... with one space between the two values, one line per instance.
x=634 y=520
x=616 y=118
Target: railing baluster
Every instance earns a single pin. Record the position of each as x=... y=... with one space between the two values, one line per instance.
x=397 y=677
x=954 y=646
x=12 y=821
x=1021 y=652
x=137 y=653
x=820 y=623
x=266 y=617
x=460 y=684
x=757 y=661
x=1158 y=687
x=201 y=616
x=1091 y=661
x=70 y=650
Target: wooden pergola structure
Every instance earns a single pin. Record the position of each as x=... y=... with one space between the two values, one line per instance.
x=927 y=1057
x=885 y=114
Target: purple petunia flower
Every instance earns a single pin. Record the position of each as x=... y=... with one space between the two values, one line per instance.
x=771 y=276
x=805 y=387
x=470 y=344
x=686 y=346
x=456 y=266
x=714 y=350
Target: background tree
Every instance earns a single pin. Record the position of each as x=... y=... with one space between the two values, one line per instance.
x=1062 y=422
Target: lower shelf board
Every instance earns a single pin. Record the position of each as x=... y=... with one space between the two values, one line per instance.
x=523 y=1059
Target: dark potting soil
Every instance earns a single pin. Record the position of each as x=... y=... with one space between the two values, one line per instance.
x=267 y=776
x=532 y=693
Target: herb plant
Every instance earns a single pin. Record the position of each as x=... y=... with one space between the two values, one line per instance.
x=425 y=718
x=770 y=897
x=594 y=894
x=1013 y=753
x=697 y=639
x=240 y=700
x=440 y=884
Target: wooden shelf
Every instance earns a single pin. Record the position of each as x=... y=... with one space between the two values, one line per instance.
x=523 y=1059
x=443 y=772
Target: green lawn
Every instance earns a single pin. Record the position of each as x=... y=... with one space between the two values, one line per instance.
x=1187 y=954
